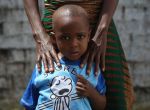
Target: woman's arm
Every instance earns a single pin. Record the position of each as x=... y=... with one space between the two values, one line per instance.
x=99 y=40
x=108 y=9
x=44 y=47
x=32 y=11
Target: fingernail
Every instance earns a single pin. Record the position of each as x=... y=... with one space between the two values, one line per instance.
x=46 y=71
x=58 y=64
x=51 y=69
x=96 y=73
x=81 y=65
x=103 y=69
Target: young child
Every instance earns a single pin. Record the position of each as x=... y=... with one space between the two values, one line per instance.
x=68 y=87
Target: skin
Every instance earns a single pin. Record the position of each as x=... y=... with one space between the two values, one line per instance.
x=71 y=34
x=99 y=40
x=45 y=49
x=84 y=88
x=71 y=42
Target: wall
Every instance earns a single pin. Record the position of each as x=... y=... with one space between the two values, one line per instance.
x=133 y=22
x=16 y=52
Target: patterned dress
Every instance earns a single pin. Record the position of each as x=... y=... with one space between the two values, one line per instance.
x=119 y=86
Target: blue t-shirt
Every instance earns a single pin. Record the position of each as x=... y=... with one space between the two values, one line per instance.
x=57 y=90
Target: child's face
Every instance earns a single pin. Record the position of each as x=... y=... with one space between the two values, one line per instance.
x=72 y=36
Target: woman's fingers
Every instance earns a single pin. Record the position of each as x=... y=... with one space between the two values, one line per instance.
x=103 y=62
x=103 y=54
x=55 y=56
x=50 y=62
x=101 y=43
x=97 y=62
x=97 y=39
x=93 y=51
x=46 y=53
x=90 y=61
x=38 y=61
x=45 y=63
x=84 y=59
x=51 y=56
x=38 y=56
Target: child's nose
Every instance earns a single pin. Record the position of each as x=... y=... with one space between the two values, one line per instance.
x=74 y=42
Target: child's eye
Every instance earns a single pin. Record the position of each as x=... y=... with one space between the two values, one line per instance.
x=80 y=36
x=66 y=37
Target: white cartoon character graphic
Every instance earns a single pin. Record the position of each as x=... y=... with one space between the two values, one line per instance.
x=61 y=86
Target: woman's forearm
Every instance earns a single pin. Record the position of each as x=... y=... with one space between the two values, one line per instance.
x=107 y=12
x=105 y=17
x=32 y=11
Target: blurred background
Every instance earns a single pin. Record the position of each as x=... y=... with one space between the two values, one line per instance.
x=17 y=49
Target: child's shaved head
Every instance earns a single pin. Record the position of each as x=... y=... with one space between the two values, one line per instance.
x=71 y=31
x=70 y=11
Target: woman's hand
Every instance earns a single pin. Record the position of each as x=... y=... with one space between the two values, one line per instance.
x=97 y=46
x=96 y=50
x=45 y=49
x=45 y=53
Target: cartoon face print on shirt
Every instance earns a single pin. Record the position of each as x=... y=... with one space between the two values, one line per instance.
x=61 y=86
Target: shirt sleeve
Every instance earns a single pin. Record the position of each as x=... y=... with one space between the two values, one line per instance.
x=30 y=96
x=101 y=86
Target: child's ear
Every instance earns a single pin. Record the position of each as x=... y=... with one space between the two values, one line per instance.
x=52 y=37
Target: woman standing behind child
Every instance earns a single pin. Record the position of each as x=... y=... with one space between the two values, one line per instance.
x=111 y=56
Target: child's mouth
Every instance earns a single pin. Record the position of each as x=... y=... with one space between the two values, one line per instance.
x=75 y=53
